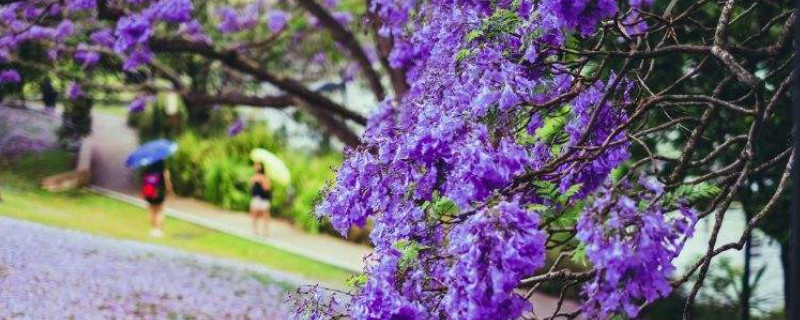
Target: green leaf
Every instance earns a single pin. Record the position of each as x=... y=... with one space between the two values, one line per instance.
x=692 y=192
x=463 y=54
x=538 y=207
x=573 y=190
x=357 y=281
x=579 y=256
x=409 y=252
x=474 y=34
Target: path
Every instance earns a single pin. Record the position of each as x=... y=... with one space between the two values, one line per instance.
x=112 y=141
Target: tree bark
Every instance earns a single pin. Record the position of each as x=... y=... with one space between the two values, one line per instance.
x=744 y=299
x=787 y=280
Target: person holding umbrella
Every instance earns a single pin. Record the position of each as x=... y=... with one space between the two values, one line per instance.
x=261 y=193
x=156 y=182
x=268 y=168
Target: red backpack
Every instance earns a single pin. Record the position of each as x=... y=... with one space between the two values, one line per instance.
x=151 y=185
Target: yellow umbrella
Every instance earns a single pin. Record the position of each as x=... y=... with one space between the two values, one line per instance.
x=277 y=170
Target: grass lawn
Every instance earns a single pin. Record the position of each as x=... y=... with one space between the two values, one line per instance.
x=93 y=213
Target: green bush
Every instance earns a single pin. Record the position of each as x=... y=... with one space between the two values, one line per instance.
x=225 y=182
x=218 y=170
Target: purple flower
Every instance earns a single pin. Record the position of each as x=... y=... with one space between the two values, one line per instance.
x=635 y=24
x=640 y=3
x=81 y=5
x=232 y=20
x=87 y=58
x=632 y=247
x=343 y=17
x=176 y=11
x=277 y=20
x=497 y=248
x=194 y=31
x=131 y=30
x=450 y=182
x=103 y=37
x=31 y=13
x=236 y=128
x=74 y=91
x=508 y=98
x=137 y=58
x=138 y=105
x=229 y=20
x=53 y=54
x=319 y=58
x=10 y=76
x=64 y=30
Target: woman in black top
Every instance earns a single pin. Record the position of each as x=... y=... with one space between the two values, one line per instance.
x=156 y=183
x=261 y=196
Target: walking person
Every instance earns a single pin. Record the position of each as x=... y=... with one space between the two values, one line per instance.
x=261 y=192
x=156 y=184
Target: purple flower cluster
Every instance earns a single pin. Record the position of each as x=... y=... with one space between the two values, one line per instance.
x=10 y=76
x=448 y=172
x=74 y=91
x=497 y=249
x=129 y=37
x=140 y=103
x=48 y=273
x=581 y=15
x=80 y=5
x=236 y=128
x=276 y=20
x=233 y=20
x=631 y=240
x=86 y=57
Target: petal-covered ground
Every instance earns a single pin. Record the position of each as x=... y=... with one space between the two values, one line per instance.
x=48 y=273
x=38 y=133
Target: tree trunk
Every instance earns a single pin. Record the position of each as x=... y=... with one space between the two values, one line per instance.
x=744 y=299
x=787 y=299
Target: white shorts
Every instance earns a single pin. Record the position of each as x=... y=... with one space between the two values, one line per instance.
x=259 y=204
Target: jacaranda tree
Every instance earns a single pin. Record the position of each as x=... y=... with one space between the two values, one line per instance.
x=210 y=52
x=586 y=129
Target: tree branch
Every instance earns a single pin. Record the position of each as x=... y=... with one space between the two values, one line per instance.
x=344 y=37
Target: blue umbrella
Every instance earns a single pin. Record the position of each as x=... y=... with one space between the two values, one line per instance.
x=150 y=153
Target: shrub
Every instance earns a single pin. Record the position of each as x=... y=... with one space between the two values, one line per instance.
x=218 y=170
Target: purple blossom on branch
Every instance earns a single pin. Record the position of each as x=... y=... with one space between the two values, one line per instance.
x=103 y=37
x=81 y=5
x=87 y=58
x=236 y=128
x=139 y=104
x=631 y=239
x=137 y=58
x=74 y=91
x=277 y=20
x=10 y=76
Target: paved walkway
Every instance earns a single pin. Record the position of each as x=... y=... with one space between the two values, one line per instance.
x=112 y=141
